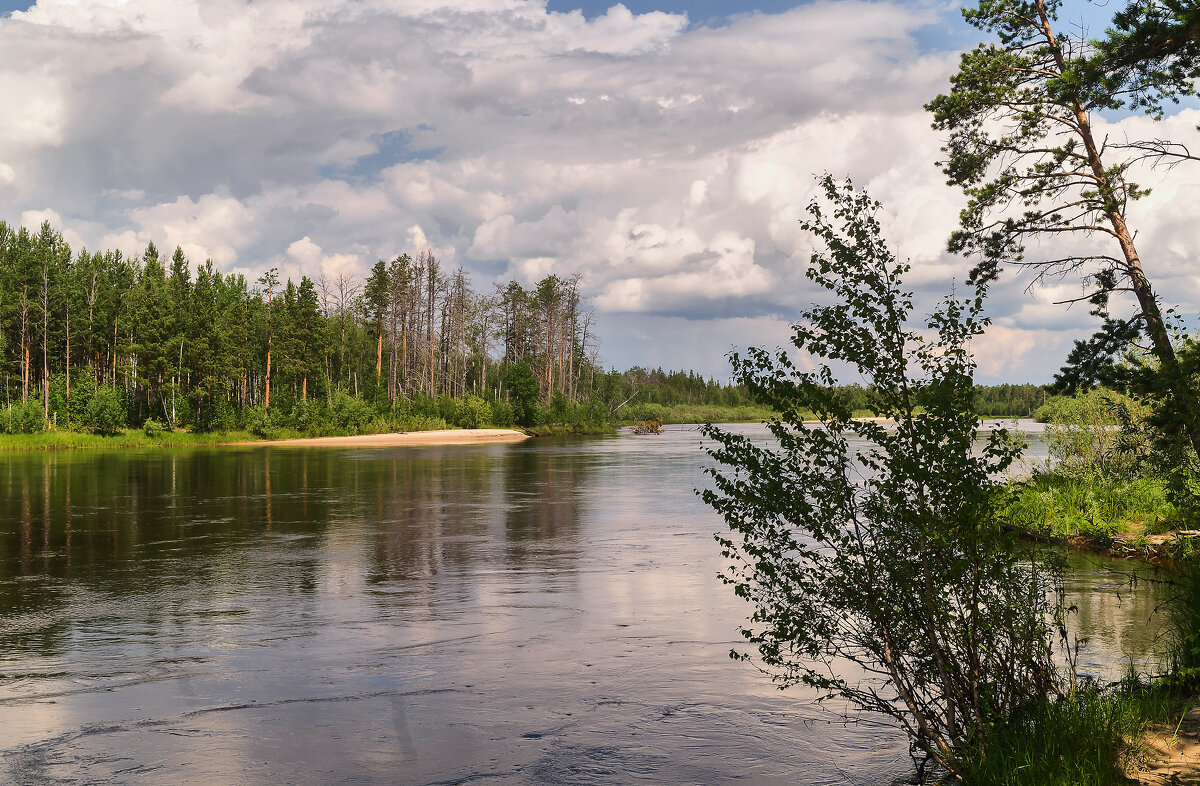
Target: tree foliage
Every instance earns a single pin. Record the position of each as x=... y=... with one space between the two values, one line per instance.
x=1022 y=145
x=194 y=347
x=1153 y=49
x=871 y=554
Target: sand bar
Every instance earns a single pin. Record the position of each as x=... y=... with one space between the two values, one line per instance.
x=459 y=436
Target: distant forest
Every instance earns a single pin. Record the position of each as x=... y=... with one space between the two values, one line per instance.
x=105 y=341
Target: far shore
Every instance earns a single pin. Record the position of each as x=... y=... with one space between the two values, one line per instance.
x=462 y=436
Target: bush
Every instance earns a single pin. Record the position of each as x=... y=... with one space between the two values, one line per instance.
x=255 y=421
x=83 y=387
x=502 y=414
x=152 y=428
x=872 y=554
x=522 y=388
x=105 y=413
x=350 y=415
x=1099 y=432
x=306 y=416
x=474 y=412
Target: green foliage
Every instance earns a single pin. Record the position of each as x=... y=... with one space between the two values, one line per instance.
x=502 y=414
x=1070 y=741
x=83 y=387
x=254 y=420
x=1184 y=626
x=1098 y=483
x=474 y=412
x=1153 y=51
x=871 y=554
x=523 y=393
x=1098 y=432
x=26 y=418
x=105 y=413
x=152 y=428
x=350 y=415
x=1062 y=505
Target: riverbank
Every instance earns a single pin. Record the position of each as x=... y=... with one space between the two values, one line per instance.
x=73 y=440
x=465 y=436
x=1170 y=753
x=1124 y=517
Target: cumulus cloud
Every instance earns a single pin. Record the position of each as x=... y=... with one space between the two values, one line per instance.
x=667 y=163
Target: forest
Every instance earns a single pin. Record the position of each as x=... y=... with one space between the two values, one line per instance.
x=104 y=340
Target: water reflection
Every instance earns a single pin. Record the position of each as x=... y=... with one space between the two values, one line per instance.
x=545 y=612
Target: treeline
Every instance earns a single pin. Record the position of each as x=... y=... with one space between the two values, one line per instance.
x=83 y=334
x=651 y=393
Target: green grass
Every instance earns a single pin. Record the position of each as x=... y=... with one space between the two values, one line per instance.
x=1084 y=739
x=1061 y=505
x=571 y=429
x=134 y=438
x=709 y=413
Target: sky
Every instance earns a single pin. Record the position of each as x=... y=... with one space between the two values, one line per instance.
x=663 y=150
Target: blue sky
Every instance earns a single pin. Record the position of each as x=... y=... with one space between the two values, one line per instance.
x=667 y=160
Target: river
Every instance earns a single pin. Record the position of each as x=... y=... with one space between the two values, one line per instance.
x=544 y=612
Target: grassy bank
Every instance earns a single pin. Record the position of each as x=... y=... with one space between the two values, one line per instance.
x=571 y=429
x=1064 y=505
x=1097 y=737
x=695 y=413
x=65 y=440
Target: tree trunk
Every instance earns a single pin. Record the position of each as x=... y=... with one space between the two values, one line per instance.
x=267 y=389
x=1162 y=348
x=46 y=341
x=67 y=414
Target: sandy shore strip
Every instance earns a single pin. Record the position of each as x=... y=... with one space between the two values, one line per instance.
x=459 y=436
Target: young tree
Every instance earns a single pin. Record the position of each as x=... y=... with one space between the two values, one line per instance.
x=376 y=295
x=269 y=282
x=873 y=545
x=153 y=318
x=1022 y=146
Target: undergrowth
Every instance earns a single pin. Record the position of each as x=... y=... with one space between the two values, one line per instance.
x=1089 y=738
x=1064 y=505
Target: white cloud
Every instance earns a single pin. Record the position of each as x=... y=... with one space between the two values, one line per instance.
x=669 y=164
x=310 y=260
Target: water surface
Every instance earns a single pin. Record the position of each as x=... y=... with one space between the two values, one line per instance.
x=545 y=612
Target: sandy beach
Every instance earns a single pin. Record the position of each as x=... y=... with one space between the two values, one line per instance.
x=463 y=436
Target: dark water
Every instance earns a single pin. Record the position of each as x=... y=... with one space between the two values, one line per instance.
x=537 y=613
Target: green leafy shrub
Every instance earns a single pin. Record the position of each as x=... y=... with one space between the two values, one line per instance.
x=871 y=554
x=523 y=394
x=254 y=420
x=474 y=412
x=105 y=413
x=502 y=414
x=1100 y=431
x=153 y=428
x=350 y=415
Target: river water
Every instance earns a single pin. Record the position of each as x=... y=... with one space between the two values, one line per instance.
x=546 y=612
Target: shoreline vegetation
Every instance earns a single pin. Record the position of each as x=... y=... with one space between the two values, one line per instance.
x=1107 y=488
x=974 y=648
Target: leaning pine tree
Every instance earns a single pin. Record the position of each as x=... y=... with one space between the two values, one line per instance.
x=1025 y=145
x=871 y=552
